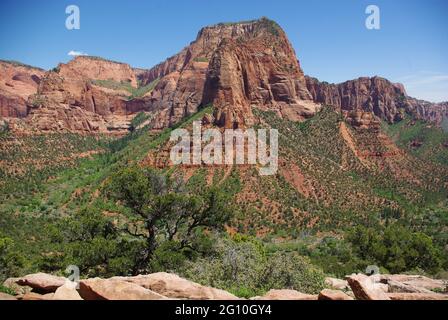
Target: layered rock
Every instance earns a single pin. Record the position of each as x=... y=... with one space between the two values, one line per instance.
x=70 y=98
x=234 y=67
x=17 y=83
x=388 y=101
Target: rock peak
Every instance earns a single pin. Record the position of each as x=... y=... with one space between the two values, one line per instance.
x=245 y=28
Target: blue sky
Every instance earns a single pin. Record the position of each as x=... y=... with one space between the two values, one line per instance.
x=330 y=37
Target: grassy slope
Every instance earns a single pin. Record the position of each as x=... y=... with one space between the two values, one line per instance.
x=431 y=137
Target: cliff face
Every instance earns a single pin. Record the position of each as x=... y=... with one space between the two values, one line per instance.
x=233 y=67
x=84 y=95
x=379 y=96
x=17 y=83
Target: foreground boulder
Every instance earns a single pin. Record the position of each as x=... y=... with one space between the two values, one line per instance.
x=335 y=283
x=42 y=282
x=398 y=287
x=286 y=294
x=366 y=288
x=113 y=289
x=67 y=292
x=173 y=286
x=328 y=294
x=415 y=281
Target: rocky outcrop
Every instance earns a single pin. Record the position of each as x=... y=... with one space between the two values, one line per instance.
x=17 y=83
x=101 y=69
x=388 y=101
x=86 y=95
x=366 y=288
x=261 y=71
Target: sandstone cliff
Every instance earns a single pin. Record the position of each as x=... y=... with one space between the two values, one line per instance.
x=85 y=95
x=388 y=101
x=234 y=67
x=17 y=83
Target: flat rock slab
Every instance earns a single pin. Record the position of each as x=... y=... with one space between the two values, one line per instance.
x=417 y=296
x=113 y=289
x=42 y=282
x=416 y=281
x=173 y=286
x=286 y=295
x=328 y=294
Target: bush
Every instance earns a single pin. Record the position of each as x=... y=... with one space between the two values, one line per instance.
x=242 y=266
x=11 y=262
x=289 y=270
x=396 y=248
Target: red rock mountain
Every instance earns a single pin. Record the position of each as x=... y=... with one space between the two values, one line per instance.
x=234 y=66
x=388 y=101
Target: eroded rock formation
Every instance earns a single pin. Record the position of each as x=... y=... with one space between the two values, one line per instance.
x=388 y=101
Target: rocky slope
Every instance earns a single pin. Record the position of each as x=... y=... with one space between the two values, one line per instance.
x=163 y=286
x=389 y=101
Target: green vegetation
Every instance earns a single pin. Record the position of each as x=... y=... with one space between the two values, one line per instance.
x=92 y=202
x=263 y=22
x=244 y=266
x=10 y=259
x=134 y=92
x=430 y=142
x=200 y=59
x=163 y=212
x=20 y=64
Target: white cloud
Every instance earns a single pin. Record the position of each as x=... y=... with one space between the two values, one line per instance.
x=430 y=86
x=74 y=53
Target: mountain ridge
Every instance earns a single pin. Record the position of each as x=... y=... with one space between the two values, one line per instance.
x=232 y=65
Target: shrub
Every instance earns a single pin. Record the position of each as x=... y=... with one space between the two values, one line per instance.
x=10 y=260
x=241 y=266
